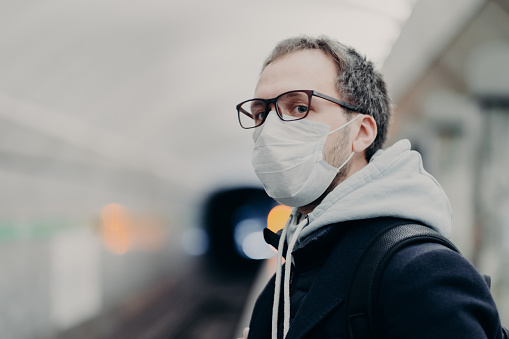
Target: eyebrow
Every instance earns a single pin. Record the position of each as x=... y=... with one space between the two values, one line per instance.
x=257 y=103
x=294 y=94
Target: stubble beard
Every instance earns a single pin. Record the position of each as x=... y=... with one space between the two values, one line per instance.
x=335 y=156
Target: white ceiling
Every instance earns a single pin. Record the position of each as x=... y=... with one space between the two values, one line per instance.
x=151 y=86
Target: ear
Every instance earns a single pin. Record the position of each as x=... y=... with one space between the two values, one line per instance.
x=366 y=133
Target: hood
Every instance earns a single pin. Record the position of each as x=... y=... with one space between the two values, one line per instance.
x=393 y=184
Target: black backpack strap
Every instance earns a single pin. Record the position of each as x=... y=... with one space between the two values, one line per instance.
x=362 y=320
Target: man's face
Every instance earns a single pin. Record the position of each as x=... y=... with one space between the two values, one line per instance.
x=310 y=69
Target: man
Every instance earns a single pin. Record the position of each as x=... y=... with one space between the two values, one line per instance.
x=320 y=118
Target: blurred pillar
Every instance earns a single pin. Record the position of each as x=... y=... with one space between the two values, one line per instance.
x=488 y=78
x=449 y=136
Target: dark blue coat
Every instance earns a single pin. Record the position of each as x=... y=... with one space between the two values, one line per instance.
x=427 y=290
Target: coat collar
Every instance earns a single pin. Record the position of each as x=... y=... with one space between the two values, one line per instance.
x=317 y=244
x=343 y=240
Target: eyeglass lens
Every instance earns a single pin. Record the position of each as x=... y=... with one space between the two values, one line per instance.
x=290 y=106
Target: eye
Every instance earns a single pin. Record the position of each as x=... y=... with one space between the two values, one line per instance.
x=259 y=116
x=299 y=110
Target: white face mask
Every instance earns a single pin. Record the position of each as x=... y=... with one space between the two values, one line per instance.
x=287 y=158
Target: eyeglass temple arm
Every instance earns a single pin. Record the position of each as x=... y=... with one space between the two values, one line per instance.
x=339 y=102
x=243 y=111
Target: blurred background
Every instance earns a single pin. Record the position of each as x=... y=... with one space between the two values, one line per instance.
x=128 y=205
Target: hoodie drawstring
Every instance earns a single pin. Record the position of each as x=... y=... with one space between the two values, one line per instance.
x=286 y=286
x=277 y=288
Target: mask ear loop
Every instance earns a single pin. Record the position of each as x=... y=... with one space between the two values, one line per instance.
x=346 y=162
x=337 y=129
x=348 y=123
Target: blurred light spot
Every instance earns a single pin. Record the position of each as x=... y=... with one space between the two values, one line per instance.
x=277 y=217
x=255 y=247
x=195 y=241
x=248 y=235
x=245 y=227
x=115 y=229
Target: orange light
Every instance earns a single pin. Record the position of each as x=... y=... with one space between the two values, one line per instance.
x=116 y=229
x=277 y=217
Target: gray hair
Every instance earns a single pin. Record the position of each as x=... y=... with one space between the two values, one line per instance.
x=357 y=80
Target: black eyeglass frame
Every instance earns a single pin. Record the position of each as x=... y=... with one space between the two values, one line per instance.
x=310 y=94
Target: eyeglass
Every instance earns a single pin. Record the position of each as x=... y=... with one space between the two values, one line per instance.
x=290 y=106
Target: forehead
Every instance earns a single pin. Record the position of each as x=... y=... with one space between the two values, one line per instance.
x=306 y=69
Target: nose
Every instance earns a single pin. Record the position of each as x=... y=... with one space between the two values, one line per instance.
x=271 y=107
x=273 y=112
x=269 y=113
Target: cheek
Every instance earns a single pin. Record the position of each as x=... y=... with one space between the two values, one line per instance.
x=331 y=146
x=329 y=115
x=313 y=116
x=337 y=147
